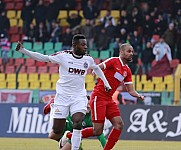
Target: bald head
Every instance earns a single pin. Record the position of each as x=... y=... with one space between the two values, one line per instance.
x=122 y=47
x=126 y=52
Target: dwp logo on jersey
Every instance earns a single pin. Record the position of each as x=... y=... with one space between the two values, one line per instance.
x=76 y=71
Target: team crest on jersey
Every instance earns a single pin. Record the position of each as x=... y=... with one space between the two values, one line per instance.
x=124 y=73
x=85 y=65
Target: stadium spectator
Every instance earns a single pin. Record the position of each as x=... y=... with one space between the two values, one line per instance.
x=67 y=39
x=124 y=22
x=97 y=30
x=31 y=33
x=177 y=22
x=67 y=4
x=136 y=41
x=160 y=49
x=108 y=18
x=27 y=16
x=74 y=21
x=2 y=6
x=160 y=25
x=147 y=57
x=90 y=11
x=40 y=13
x=135 y=19
x=102 y=40
x=169 y=36
x=148 y=27
x=4 y=24
x=87 y=30
x=70 y=88
x=52 y=14
x=111 y=31
x=41 y=33
x=122 y=34
x=56 y=32
x=102 y=105
x=116 y=47
x=5 y=47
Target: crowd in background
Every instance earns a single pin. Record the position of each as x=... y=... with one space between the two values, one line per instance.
x=142 y=23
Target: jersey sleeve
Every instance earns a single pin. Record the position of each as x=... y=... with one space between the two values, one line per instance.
x=128 y=78
x=108 y=63
x=92 y=63
x=56 y=58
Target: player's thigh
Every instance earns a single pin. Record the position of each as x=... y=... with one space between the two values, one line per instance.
x=60 y=108
x=58 y=125
x=78 y=105
x=98 y=109
x=112 y=110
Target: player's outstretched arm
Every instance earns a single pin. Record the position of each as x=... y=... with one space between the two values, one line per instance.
x=101 y=75
x=132 y=92
x=35 y=55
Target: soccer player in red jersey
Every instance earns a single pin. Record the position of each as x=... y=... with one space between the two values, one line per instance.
x=102 y=105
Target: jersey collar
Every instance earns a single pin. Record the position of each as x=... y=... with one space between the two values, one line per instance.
x=121 y=61
x=76 y=56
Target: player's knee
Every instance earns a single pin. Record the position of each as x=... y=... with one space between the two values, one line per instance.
x=77 y=125
x=119 y=125
x=97 y=131
x=54 y=135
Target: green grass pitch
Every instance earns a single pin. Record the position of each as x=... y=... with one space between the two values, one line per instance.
x=88 y=144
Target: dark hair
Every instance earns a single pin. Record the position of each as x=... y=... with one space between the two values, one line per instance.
x=77 y=37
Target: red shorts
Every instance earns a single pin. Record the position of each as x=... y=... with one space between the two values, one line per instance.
x=101 y=109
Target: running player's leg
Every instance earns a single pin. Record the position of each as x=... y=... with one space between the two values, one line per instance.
x=47 y=107
x=113 y=114
x=59 y=114
x=78 y=110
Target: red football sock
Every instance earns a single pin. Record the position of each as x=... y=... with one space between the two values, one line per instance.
x=112 y=139
x=87 y=132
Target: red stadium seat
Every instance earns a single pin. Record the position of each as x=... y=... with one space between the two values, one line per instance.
x=10 y=62
x=10 y=69
x=19 y=61
x=42 y=69
x=13 y=30
x=1 y=69
x=18 y=1
x=53 y=69
x=10 y=6
x=1 y=61
x=31 y=69
x=30 y=62
x=18 y=6
x=38 y=63
x=15 y=38
x=23 y=69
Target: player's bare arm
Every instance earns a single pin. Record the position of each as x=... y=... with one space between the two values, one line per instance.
x=132 y=91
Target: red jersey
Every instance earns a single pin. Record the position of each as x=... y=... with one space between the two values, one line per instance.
x=115 y=72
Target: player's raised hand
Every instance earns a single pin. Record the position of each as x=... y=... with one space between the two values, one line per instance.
x=19 y=46
x=141 y=97
x=107 y=88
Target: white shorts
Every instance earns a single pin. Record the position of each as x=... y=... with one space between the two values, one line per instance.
x=63 y=105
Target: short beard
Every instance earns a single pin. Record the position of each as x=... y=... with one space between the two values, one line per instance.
x=79 y=53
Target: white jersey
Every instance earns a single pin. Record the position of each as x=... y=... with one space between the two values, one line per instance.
x=72 y=72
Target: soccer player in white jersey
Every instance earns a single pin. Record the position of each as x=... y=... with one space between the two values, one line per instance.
x=70 y=88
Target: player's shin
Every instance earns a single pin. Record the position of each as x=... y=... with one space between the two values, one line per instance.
x=76 y=139
x=112 y=139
